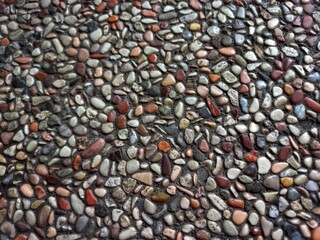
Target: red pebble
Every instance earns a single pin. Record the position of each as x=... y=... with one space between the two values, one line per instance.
x=213 y=108
x=3 y=203
x=238 y=203
x=152 y=58
x=93 y=149
x=222 y=181
x=287 y=63
x=123 y=107
x=246 y=141
x=90 y=198
x=64 y=204
x=76 y=162
x=256 y=231
x=112 y=116
x=121 y=122
x=312 y=104
x=251 y=156
x=297 y=97
x=284 y=153
x=116 y=100
x=278 y=64
x=227 y=146
x=41 y=75
x=281 y=126
x=275 y=75
x=40 y=192
x=180 y=75
x=112 y=3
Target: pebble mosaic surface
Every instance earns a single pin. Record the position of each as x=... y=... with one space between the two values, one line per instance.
x=156 y=119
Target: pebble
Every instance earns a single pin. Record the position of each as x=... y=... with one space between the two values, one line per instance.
x=229 y=228
x=94 y=148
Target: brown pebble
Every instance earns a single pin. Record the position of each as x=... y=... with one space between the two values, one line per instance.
x=160 y=197
x=239 y=217
x=83 y=55
x=222 y=181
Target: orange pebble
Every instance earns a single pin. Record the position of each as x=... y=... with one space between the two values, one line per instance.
x=288 y=107
x=151 y=108
x=194 y=203
x=101 y=7
x=112 y=3
x=21 y=237
x=5 y=41
x=227 y=51
x=214 y=77
x=41 y=75
x=135 y=52
x=155 y=28
x=25 y=66
x=113 y=19
x=137 y=4
x=113 y=26
x=164 y=146
x=33 y=127
x=251 y=156
x=316 y=234
x=76 y=162
x=40 y=192
x=189 y=153
x=179 y=236
x=152 y=58
x=236 y=203
x=244 y=88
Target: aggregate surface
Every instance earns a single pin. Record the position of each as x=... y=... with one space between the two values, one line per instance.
x=159 y=119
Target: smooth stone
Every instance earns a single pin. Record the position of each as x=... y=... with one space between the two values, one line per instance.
x=128 y=233
x=149 y=207
x=93 y=148
x=81 y=223
x=213 y=215
x=229 y=228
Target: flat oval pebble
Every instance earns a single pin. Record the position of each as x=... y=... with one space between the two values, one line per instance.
x=94 y=148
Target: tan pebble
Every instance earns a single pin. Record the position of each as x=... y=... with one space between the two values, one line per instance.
x=98 y=72
x=278 y=167
x=71 y=52
x=62 y=192
x=42 y=170
x=175 y=173
x=239 y=217
x=170 y=233
x=169 y=80
x=138 y=111
x=135 y=52
x=76 y=42
x=227 y=51
x=305 y=230
x=144 y=177
x=27 y=190
x=51 y=232
x=201 y=54
x=21 y=155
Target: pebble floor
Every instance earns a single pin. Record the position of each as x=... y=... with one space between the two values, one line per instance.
x=159 y=119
